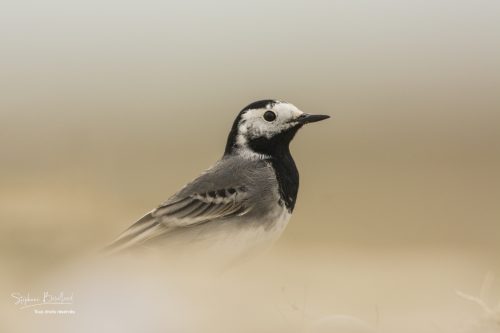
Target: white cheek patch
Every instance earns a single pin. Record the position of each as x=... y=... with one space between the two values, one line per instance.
x=270 y=132
x=255 y=126
x=242 y=129
x=241 y=140
x=258 y=127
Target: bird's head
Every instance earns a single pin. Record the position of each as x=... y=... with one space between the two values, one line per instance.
x=265 y=128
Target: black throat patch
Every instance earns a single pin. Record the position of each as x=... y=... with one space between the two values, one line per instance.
x=277 y=148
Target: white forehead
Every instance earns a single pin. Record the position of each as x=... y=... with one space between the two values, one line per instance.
x=284 y=111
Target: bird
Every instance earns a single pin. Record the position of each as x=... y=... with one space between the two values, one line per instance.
x=240 y=204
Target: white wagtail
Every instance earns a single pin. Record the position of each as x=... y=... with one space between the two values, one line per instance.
x=245 y=200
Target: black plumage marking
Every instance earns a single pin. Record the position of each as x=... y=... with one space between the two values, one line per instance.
x=264 y=103
x=219 y=193
x=288 y=180
x=287 y=175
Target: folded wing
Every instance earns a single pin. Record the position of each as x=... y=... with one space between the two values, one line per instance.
x=219 y=193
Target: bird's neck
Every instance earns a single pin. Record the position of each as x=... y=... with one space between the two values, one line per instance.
x=275 y=151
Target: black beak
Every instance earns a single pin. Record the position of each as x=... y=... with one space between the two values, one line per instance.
x=306 y=118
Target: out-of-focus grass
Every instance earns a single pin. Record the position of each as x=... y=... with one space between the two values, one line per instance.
x=300 y=289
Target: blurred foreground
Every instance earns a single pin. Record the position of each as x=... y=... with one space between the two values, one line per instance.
x=288 y=290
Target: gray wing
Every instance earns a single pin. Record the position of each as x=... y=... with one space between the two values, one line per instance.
x=233 y=187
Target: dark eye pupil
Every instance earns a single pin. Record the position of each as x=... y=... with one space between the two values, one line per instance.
x=269 y=115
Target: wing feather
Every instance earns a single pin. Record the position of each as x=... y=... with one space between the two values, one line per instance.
x=189 y=211
x=219 y=193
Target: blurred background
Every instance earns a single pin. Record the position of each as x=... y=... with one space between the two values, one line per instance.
x=109 y=107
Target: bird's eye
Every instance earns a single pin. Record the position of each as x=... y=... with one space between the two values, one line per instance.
x=269 y=116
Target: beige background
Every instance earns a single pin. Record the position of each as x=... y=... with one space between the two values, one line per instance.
x=107 y=108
